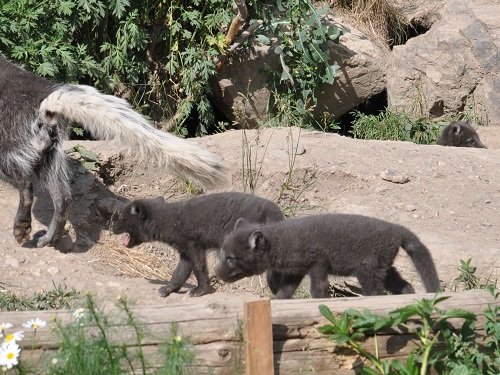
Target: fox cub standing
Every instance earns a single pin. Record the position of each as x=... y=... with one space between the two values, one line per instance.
x=322 y=245
x=191 y=227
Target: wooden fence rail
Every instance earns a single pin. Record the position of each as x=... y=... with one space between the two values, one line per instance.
x=214 y=325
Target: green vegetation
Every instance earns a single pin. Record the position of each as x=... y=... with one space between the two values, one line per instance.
x=468 y=280
x=90 y=342
x=395 y=126
x=86 y=347
x=89 y=159
x=56 y=298
x=157 y=54
x=162 y=55
x=449 y=350
x=302 y=46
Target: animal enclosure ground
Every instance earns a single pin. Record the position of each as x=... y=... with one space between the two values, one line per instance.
x=451 y=200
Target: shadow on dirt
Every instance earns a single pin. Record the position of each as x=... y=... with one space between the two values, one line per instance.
x=92 y=208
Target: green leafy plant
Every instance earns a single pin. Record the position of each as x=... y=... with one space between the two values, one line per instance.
x=395 y=126
x=89 y=159
x=160 y=55
x=450 y=350
x=303 y=51
x=467 y=278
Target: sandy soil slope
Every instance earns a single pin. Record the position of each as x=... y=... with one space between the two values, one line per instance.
x=451 y=199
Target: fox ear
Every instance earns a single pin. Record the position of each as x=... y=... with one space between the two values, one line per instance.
x=256 y=239
x=455 y=129
x=159 y=199
x=138 y=209
x=240 y=222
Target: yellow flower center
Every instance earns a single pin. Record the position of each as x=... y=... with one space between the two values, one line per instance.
x=10 y=355
x=9 y=338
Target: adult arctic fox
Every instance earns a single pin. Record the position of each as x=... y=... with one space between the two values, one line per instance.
x=35 y=115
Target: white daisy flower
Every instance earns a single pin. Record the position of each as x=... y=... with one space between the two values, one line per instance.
x=35 y=324
x=13 y=337
x=9 y=355
x=3 y=327
x=79 y=313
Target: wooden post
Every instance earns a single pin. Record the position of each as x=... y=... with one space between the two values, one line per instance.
x=258 y=334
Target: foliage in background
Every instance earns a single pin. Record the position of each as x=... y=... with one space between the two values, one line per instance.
x=395 y=126
x=449 y=350
x=158 y=54
x=302 y=47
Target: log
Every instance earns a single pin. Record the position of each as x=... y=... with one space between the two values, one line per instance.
x=213 y=325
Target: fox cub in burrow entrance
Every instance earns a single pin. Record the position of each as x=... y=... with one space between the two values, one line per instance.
x=191 y=227
x=322 y=245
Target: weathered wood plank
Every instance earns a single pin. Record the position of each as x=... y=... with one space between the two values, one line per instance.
x=214 y=326
x=258 y=336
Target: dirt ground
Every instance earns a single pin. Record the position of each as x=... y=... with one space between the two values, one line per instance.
x=450 y=197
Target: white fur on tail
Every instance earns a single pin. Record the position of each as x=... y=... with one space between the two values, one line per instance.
x=112 y=118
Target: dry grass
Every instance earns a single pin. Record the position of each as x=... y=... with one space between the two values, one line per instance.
x=133 y=262
x=380 y=16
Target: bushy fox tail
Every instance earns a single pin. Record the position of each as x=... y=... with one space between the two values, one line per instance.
x=421 y=257
x=112 y=118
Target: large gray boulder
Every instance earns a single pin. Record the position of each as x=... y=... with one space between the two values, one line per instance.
x=454 y=67
x=241 y=86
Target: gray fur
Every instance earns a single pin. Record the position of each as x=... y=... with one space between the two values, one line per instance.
x=460 y=134
x=34 y=121
x=192 y=227
x=322 y=245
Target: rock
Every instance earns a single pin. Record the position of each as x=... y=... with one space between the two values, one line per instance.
x=394 y=176
x=420 y=13
x=53 y=270
x=241 y=87
x=454 y=67
x=361 y=75
x=300 y=150
x=409 y=208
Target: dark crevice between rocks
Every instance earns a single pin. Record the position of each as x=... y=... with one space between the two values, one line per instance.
x=411 y=30
x=437 y=109
x=192 y=122
x=372 y=106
